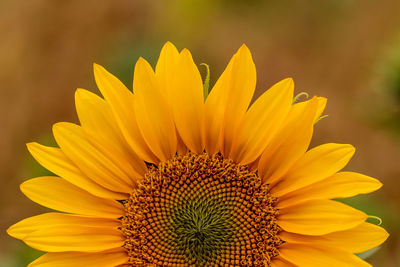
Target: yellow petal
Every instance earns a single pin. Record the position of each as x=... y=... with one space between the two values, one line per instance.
x=54 y=160
x=70 y=259
x=152 y=113
x=94 y=163
x=188 y=102
x=58 y=194
x=95 y=114
x=262 y=120
x=319 y=217
x=228 y=101
x=215 y=107
x=339 y=185
x=53 y=220
x=321 y=107
x=120 y=100
x=99 y=124
x=182 y=149
x=317 y=256
x=290 y=143
x=355 y=240
x=280 y=262
x=75 y=238
x=166 y=69
x=316 y=165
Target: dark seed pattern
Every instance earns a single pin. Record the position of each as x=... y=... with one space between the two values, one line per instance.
x=201 y=210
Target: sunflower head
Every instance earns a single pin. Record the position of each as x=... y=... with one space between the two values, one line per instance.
x=201 y=210
x=174 y=175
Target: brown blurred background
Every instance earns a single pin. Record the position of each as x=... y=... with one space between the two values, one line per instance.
x=346 y=50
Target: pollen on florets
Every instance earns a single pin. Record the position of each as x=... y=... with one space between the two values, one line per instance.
x=201 y=210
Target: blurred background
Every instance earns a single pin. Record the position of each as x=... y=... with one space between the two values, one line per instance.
x=346 y=50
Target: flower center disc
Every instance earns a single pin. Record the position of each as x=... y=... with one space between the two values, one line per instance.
x=201 y=210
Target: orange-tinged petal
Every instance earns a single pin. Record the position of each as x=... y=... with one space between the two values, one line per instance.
x=240 y=82
x=166 y=69
x=181 y=148
x=95 y=115
x=68 y=259
x=152 y=112
x=215 y=106
x=120 y=100
x=317 y=256
x=54 y=160
x=280 y=262
x=355 y=240
x=58 y=194
x=321 y=107
x=228 y=101
x=290 y=143
x=339 y=185
x=188 y=102
x=319 y=217
x=261 y=121
x=54 y=220
x=75 y=238
x=99 y=124
x=94 y=163
x=316 y=165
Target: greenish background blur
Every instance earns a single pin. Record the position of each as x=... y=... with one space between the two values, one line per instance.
x=346 y=50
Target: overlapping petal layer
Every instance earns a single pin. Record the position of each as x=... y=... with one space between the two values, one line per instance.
x=100 y=162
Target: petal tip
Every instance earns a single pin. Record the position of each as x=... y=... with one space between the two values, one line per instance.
x=22 y=187
x=79 y=93
x=185 y=52
x=169 y=45
x=31 y=145
x=289 y=81
x=244 y=51
x=244 y=47
x=96 y=66
x=10 y=231
x=98 y=69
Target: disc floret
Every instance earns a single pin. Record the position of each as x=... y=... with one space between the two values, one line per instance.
x=198 y=210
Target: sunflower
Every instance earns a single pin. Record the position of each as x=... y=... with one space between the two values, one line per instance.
x=174 y=175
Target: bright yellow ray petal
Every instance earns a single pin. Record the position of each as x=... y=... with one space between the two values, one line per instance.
x=94 y=163
x=53 y=220
x=235 y=88
x=355 y=240
x=215 y=106
x=98 y=122
x=321 y=107
x=188 y=102
x=54 y=160
x=58 y=194
x=166 y=69
x=290 y=143
x=339 y=185
x=75 y=238
x=261 y=121
x=70 y=259
x=317 y=164
x=319 y=217
x=152 y=112
x=317 y=256
x=120 y=100
x=279 y=262
x=181 y=148
x=95 y=115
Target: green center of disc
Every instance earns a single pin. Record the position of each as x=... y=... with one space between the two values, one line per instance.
x=201 y=227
